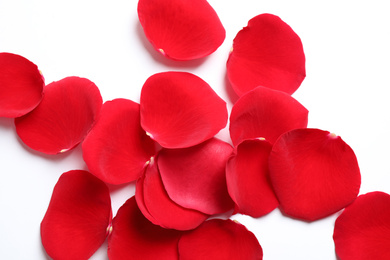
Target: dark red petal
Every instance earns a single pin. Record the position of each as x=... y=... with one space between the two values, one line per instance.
x=181 y=30
x=139 y=197
x=220 y=239
x=195 y=177
x=117 y=148
x=362 y=231
x=265 y=113
x=75 y=224
x=134 y=237
x=247 y=177
x=179 y=109
x=266 y=53
x=21 y=85
x=63 y=118
x=314 y=173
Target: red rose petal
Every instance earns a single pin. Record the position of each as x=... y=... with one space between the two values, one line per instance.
x=63 y=118
x=265 y=113
x=314 y=173
x=76 y=221
x=266 y=53
x=362 y=231
x=134 y=237
x=220 y=239
x=195 y=177
x=21 y=85
x=139 y=197
x=181 y=30
x=247 y=177
x=117 y=148
x=179 y=109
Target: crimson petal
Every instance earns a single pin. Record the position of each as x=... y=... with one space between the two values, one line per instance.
x=63 y=118
x=179 y=109
x=265 y=113
x=75 y=224
x=21 y=85
x=266 y=53
x=362 y=231
x=314 y=173
x=117 y=148
x=181 y=30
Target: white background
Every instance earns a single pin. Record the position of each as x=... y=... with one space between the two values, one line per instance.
x=346 y=91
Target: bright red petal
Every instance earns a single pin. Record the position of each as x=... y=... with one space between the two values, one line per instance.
x=265 y=113
x=63 y=118
x=21 y=85
x=195 y=177
x=362 y=231
x=247 y=177
x=134 y=237
x=220 y=239
x=179 y=109
x=117 y=148
x=266 y=53
x=181 y=30
x=314 y=173
x=75 y=224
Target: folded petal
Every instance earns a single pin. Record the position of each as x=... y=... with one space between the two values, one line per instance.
x=117 y=148
x=179 y=109
x=266 y=53
x=181 y=30
x=21 y=85
x=63 y=118
x=314 y=173
x=76 y=221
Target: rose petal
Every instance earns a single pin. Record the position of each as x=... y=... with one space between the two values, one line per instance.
x=179 y=109
x=134 y=237
x=247 y=177
x=181 y=30
x=76 y=221
x=21 y=85
x=265 y=113
x=266 y=53
x=220 y=239
x=362 y=231
x=63 y=118
x=195 y=177
x=314 y=173
x=117 y=148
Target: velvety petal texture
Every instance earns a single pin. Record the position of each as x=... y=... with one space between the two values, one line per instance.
x=76 y=221
x=314 y=173
x=179 y=109
x=362 y=231
x=21 y=85
x=181 y=29
x=265 y=113
x=266 y=53
x=63 y=118
x=117 y=148
x=220 y=240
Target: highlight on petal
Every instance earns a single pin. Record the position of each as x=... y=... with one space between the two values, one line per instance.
x=195 y=177
x=134 y=237
x=220 y=239
x=179 y=109
x=117 y=148
x=76 y=221
x=362 y=231
x=265 y=113
x=63 y=118
x=266 y=53
x=181 y=30
x=248 y=181
x=21 y=85
x=314 y=173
